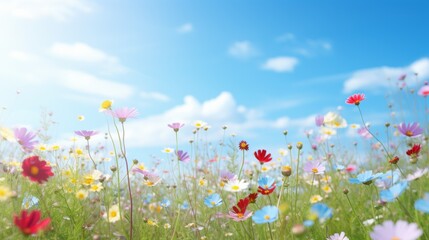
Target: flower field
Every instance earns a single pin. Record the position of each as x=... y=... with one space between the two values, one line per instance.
x=317 y=188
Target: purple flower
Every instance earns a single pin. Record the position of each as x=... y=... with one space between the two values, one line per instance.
x=316 y=167
x=176 y=126
x=227 y=175
x=183 y=156
x=25 y=139
x=402 y=230
x=319 y=120
x=150 y=179
x=410 y=129
x=86 y=134
x=123 y=113
x=402 y=77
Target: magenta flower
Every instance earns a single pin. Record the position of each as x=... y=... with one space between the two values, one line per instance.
x=86 y=134
x=319 y=120
x=176 y=126
x=315 y=167
x=183 y=156
x=402 y=230
x=410 y=130
x=123 y=113
x=25 y=139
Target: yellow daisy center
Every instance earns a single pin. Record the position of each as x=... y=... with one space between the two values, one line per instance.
x=113 y=214
x=314 y=170
x=235 y=187
x=409 y=134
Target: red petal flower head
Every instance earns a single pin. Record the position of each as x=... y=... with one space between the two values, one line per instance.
x=262 y=156
x=414 y=151
x=36 y=170
x=356 y=99
x=252 y=197
x=31 y=223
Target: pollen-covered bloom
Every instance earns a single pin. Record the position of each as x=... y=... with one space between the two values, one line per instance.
x=267 y=214
x=423 y=204
x=389 y=195
x=113 y=215
x=176 y=126
x=240 y=212
x=236 y=185
x=401 y=230
x=355 y=98
x=410 y=129
x=213 y=200
x=243 y=145
x=25 y=138
x=267 y=185
x=338 y=236
x=31 y=223
x=315 y=167
x=365 y=178
x=123 y=113
x=86 y=134
x=36 y=170
x=262 y=156
x=183 y=156
x=106 y=105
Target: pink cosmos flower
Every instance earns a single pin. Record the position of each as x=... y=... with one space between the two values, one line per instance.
x=402 y=230
x=183 y=156
x=410 y=129
x=424 y=91
x=319 y=120
x=315 y=167
x=355 y=98
x=123 y=113
x=86 y=134
x=25 y=139
x=176 y=126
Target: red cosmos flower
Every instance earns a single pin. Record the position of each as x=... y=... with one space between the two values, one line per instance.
x=252 y=197
x=243 y=145
x=414 y=151
x=262 y=156
x=394 y=160
x=31 y=223
x=36 y=170
x=355 y=99
x=266 y=191
x=241 y=206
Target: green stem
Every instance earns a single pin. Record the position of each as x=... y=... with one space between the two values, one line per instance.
x=242 y=164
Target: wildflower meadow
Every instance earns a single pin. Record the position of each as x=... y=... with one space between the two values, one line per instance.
x=317 y=188
x=214 y=120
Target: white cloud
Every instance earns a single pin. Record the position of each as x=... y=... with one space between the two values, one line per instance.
x=242 y=49
x=90 y=84
x=154 y=96
x=185 y=28
x=152 y=131
x=82 y=52
x=374 y=78
x=281 y=64
x=34 y=9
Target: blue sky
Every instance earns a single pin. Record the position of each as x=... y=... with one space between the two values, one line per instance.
x=259 y=67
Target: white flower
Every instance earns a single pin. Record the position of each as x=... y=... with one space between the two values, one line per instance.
x=334 y=120
x=236 y=185
x=113 y=214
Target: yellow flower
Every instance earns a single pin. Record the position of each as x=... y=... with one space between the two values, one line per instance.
x=5 y=193
x=80 y=118
x=106 y=105
x=167 y=150
x=88 y=180
x=265 y=168
x=315 y=198
x=327 y=189
x=202 y=182
x=67 y=173
x=78 y=151
x=41 y=147
x=112 y=153
x=113 y=214
x=199 y=124
x=96 y=187
x=141 y=167
x=81 y=194
x=210 y=191
x=151 y=222
x=55 y=147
